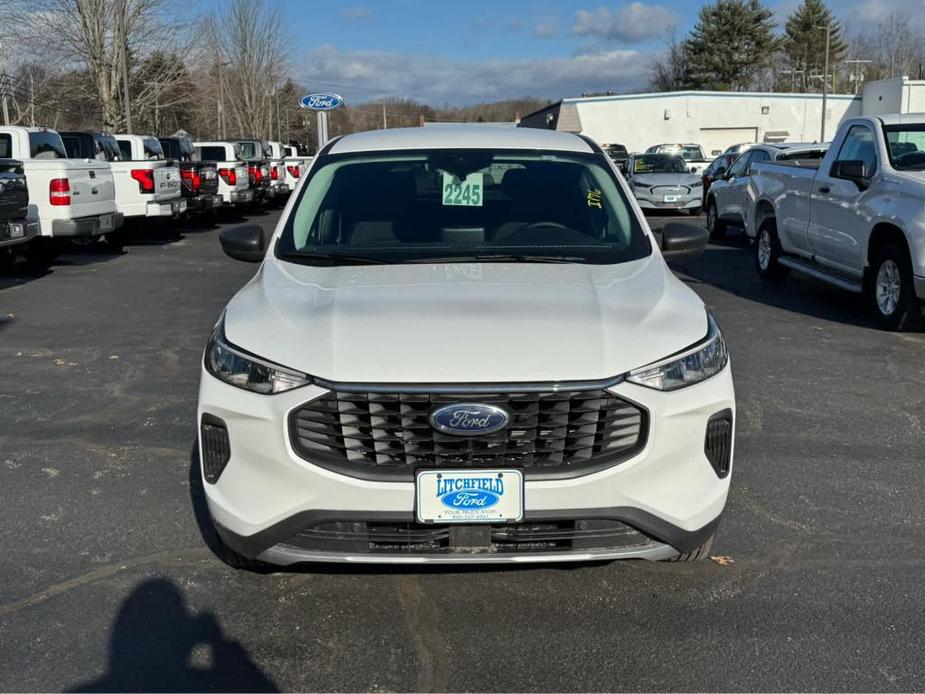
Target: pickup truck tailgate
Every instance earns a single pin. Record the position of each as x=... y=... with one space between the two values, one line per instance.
x=166 y=181
x=14 y=196
x=93 y=190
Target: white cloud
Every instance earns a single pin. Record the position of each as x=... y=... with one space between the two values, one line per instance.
x=366 y=75
x=631 y=23
x=867 y=14
x=355 y=14
x=546 y=29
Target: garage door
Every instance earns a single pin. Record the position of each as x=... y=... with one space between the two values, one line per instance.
x=715 y=140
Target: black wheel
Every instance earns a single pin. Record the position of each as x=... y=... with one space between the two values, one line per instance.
x=114 y=242
x=890 y=290
x=7 y=259
x=701 y=552
x=715 y=225
x=767 y=253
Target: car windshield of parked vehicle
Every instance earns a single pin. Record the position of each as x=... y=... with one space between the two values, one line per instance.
x=658 y=164
x=462 y=206
x=906 y=146
x=691 y=153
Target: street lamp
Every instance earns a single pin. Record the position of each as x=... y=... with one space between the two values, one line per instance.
x=829 y=28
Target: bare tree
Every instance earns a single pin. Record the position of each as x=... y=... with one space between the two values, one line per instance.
x=249 y=42
x=104 y=38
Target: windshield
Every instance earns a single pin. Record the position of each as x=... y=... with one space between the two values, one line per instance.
x=658 y=163
x=906 y=144
x=462 y=206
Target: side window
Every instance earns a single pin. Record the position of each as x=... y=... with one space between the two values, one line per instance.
x=6 y=146
x=859 y=146
x=740 y=165
x=46 y=145
x=125 y=148
x=757 y=155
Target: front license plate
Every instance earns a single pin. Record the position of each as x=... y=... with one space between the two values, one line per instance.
x=106 y=223
x=469 y=496
x=672 y=198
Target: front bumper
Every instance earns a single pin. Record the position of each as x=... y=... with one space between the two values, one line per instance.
x=16 y=232
x=266 y=493
x=687 y=202
x=169 y=208
x=87 y=226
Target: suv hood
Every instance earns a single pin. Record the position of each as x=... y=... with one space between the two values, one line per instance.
x=465 y=322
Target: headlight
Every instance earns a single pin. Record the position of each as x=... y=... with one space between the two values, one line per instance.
x=705 y=359
x=237 y=368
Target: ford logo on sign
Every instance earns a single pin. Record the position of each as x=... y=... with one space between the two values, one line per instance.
x=469 y=419
x=321 y=102
x=471 y=493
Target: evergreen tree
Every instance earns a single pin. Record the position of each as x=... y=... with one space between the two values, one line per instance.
x=731 y=43
x=804 y=43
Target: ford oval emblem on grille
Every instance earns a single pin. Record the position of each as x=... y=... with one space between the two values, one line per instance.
x=469 y=419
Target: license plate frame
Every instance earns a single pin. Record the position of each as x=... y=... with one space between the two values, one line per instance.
x=672 y=198
x=469 y=496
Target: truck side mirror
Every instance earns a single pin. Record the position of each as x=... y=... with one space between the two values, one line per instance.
x=680 y=240
x=854 y=170
x=245 y=242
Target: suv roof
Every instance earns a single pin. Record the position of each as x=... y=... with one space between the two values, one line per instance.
x=460 y=137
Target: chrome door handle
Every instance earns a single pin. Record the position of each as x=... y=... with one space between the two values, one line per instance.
x=825 y=189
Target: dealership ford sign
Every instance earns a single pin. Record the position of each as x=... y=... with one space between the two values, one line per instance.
x=321 y=102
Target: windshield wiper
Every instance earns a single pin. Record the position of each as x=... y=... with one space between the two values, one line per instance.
x=297 y=256
x=499 y=258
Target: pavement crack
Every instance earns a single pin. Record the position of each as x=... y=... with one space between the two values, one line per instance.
x=423 y=621
x=99 y=573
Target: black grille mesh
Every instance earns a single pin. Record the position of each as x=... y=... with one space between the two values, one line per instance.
x=216 y=449
x=391 y=434
x=718 y=442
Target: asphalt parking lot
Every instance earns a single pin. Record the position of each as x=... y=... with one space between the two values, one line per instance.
x=107 y=580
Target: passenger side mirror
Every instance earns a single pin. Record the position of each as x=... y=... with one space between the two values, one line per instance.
x=245 y=243
x=853 y=170
x=680 y=240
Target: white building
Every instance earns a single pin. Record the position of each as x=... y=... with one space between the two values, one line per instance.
x=716 y=120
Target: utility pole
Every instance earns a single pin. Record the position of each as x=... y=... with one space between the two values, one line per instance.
x=279 y=127
x=31 y=99
x=385 y=119
x=825 y=75
x=125 y=94
x=3 y=80
x=856 y=73
x=221 y=99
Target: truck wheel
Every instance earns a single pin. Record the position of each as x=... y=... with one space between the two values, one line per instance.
x=890 y=290
x=701 y=552
x=41 y=252
x=767 y=253
x=114 y=242
x=7 y=260
x=715 y=225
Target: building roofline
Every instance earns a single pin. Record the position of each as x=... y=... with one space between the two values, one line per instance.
x=689 y=93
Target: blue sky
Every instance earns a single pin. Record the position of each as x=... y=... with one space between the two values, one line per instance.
x=461 y=52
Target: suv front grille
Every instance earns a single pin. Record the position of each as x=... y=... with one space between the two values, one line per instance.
x=550 y=434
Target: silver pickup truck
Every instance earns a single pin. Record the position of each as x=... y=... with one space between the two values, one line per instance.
x=855 y=219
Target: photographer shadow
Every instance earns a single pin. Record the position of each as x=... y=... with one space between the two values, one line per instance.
x=157 y=644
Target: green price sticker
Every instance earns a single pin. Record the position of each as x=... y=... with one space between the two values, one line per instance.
x=467 y=193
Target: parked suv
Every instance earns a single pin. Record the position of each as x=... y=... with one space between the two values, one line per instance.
x=483 y=357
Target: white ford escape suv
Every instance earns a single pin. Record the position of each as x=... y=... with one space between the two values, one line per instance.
x=464 y=345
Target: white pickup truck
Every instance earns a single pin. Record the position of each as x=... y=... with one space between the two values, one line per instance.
x=278 y=179
x=70 y=198
x=856 y=221
x=296 y=165
x=147 y=185
x=233 y=181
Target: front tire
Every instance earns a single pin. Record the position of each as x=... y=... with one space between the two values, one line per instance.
x=768 y=252
x=715 y=225
x=890 y=290
x=702 y=552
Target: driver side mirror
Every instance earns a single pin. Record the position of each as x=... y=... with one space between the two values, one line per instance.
x=680 y=240
x=853 y=170
x=245 y=243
